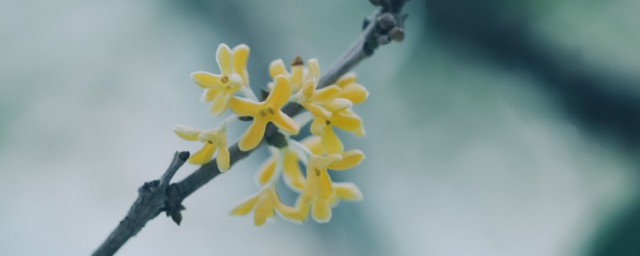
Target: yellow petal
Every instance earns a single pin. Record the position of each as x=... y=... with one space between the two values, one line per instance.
x=338 y=105
x=222 y=159
x=313 y=143
x=203 y=155
x=206 y=79
x=346 y=79
x=317 y=126
x=325 y=189
x=292 y=173
x=326 y=95
x=280 y=93
x=244 y=107
x=285 y=123
x=309 y=89
x=323 y=161
x=296 y=77
x=253 y=135
x=350 y=159
x=330 y=141
x=187 y=132
x=277 y=68
x=346 y=121
x=209 y=94
x=309 y=191
x=266 y=171
x=219 y=103
x=290 y=213
x=245 y=206
x=223 y=57
x=321 y=211
x=356 y=93
x=316 y=110
x=313 y=69
x=263 y=210
x=347 y=191
x=240 y=56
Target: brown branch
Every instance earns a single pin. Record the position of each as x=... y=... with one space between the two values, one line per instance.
x=157 y=196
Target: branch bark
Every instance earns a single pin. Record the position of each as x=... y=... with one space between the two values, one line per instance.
x=157 y=196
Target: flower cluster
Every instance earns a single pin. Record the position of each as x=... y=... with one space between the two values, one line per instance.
x=328 y=108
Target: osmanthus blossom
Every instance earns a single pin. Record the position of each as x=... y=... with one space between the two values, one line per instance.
x=317 y=190
x=263 y=205
x=219 y=88
x=264 y=112
x=296 y=76
x=328 y=107
x=212 y=140
x=314 y=99
x=341 y=117
x=351 y=89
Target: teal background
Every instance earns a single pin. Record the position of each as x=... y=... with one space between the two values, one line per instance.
x=468 y=151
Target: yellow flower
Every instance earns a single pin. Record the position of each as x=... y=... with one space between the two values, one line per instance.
x=213 y=139
x=351 y=90
x=342 y=117
x=233 y=75
x=291 y=170
x=265 y=112
x=296 y=76
x=263 y=204
x=312 y=99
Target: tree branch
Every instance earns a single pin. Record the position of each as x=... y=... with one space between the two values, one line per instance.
x=157 y=196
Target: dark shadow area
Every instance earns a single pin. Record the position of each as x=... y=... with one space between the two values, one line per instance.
x=598 y=101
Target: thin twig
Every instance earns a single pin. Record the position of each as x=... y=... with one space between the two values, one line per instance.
x=157 y=196
x=150 y=202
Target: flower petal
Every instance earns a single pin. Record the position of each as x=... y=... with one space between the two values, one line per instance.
x=203 y=155
x=289 y=213
x=244 y=107
x=253 y=135
x=223 y=159
x=285 y=123
x=219 y=103
x=325 y=189
x=330 y=141
x=321 y=211
x=292 y=173
x=266 y=171
x=264 y=209
x=309 y=89
x=297 y=72
x=326 y=95
x=317 y=126
x=209 y=94
x=240 y=56
x=206 y=79
x=347 y=121
x=245 y=206
x=280 y=93
x=347 y=191
x=338 y=105
x=277 y=68
x=187 y=132
x=346 y=79
x=313 y=68
x=350 y=159
x=356 y=93
x=223 y=57
x=316 y=110
x=313 y=143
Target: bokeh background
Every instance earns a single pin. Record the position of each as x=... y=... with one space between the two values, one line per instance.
x=496 y=128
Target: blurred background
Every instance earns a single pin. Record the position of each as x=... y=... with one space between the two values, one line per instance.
x=496 y=128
